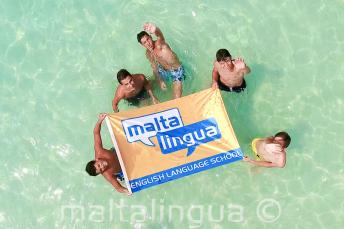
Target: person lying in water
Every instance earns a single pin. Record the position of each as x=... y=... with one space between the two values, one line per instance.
x=270 y=151
x=132 y=88
x=164 y=62
x=106 y=161
x=228 y=74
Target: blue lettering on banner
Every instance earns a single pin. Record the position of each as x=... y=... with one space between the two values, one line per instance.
x=156 y=125
x=186 y=169
x=189 y=136
x=143 y=128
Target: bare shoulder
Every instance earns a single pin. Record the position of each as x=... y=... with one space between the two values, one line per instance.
x=260 y=142
x=164 y=45
x=108 y=174
x=216 y=64
x=102 y=153
x=268 y=139
x=119 y=94
x=139 y=76
x=109 y=153
x=161 y=44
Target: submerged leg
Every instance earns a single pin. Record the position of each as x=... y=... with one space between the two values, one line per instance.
x=177 y=89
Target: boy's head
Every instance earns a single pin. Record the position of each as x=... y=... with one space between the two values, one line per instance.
x=122 y=74
x=126 y=79
x=283 y=138
x=96 y=167
x=91 y=169
x=223 y=55
x=145 y=40
x=140 y=35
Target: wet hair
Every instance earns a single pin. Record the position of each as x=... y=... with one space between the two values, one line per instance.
x=285 y=136
x=221 y=54
x=122 y=74
x=140 y=35
x=90 y=169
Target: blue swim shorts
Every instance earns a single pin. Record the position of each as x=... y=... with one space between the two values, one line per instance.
x=175 y=74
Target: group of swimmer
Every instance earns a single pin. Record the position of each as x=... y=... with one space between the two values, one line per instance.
x=227 y=75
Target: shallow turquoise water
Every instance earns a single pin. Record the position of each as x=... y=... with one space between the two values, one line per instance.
x=57 y=66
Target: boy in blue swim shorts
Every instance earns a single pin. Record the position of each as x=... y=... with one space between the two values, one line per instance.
x=165 y=63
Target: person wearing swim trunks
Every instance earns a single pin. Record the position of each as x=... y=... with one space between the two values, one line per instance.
x=132 y=88
x=164 y=62
x=228 y=74
x=270 y=151
x=106 y=162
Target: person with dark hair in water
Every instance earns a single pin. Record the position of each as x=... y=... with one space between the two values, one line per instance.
x=106 y=161
x=132 y=88
x=165 y=63
x=270 y=151
x=228 y=74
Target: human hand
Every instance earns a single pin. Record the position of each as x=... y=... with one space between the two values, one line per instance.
x=102 y=116
x=214 y=86
x=239 y=63
x=123 y=190
x=149 y=27
x=246 y=158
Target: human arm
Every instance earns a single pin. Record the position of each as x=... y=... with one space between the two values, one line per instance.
x=267 y=164
x=246 y=70
x=153 y=64
x=148 y=88
x=215 y=76
x=98 y=144
x=114 y=182
x=152 y=28
x=116 y=100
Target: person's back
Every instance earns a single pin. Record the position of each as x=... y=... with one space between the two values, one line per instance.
x=271 y=151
